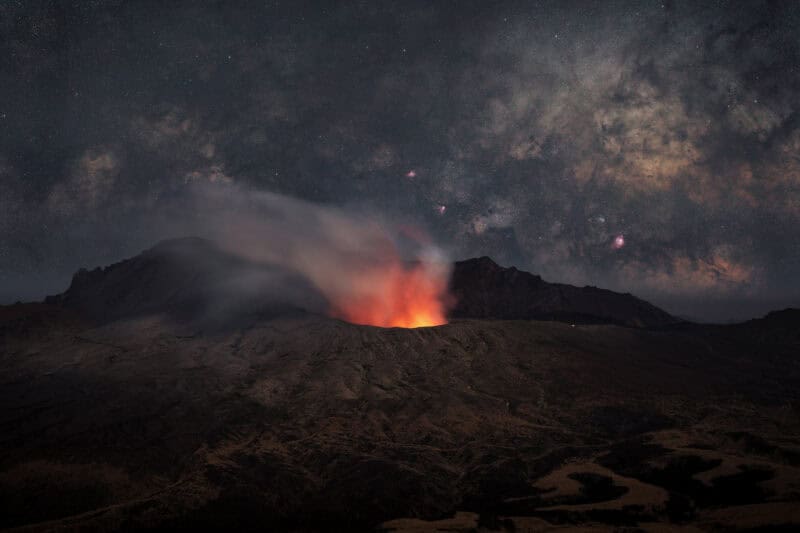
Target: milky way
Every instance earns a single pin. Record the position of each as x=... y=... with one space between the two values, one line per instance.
x=648 y=147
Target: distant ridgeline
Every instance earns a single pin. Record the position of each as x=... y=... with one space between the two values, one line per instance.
x=186 y=276
x=483 y=289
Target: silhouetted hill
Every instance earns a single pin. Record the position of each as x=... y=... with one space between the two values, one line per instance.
x=788 y=318
x=134 y=421
x=192 y=277
x=484 y=289
x=188 y=277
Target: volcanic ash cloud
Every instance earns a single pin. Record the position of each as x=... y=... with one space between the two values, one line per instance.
x=368 y=271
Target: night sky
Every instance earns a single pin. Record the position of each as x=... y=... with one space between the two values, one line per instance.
x=646 y=147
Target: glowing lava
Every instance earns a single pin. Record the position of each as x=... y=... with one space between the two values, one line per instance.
x=397 y=295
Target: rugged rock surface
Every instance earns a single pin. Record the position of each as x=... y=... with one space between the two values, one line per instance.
x=192 y=277
x=483 y=289
x=184 y=278
x=116 y=416
x=307 y=423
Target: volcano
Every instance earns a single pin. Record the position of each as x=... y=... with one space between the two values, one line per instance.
x=186 y=277
x=187 y=389
x=482 y=289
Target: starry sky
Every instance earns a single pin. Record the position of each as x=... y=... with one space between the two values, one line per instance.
x=650 y=147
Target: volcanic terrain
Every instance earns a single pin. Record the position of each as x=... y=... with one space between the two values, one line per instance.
x=128 y=403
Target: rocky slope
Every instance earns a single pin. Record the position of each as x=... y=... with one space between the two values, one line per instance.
x=188 y=277
x=124 y=409
x=309 y=423
x=485 y=290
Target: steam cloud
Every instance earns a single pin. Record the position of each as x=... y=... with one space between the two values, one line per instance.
x=367 y=270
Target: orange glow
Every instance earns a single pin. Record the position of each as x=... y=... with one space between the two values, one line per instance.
x=395 y=295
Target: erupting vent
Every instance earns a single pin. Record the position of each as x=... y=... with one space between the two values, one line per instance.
x=397 y=296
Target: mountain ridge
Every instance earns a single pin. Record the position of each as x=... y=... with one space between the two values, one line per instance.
x=135 y=421
x=188 y=278
x=310 y=423
x=181 y=276
x=484 y=289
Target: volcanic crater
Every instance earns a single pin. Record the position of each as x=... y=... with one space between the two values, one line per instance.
x=142 y=399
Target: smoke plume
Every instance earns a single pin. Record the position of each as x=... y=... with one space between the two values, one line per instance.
x=368 y=270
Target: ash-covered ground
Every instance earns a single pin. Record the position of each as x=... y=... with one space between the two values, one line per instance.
x=282 y=420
